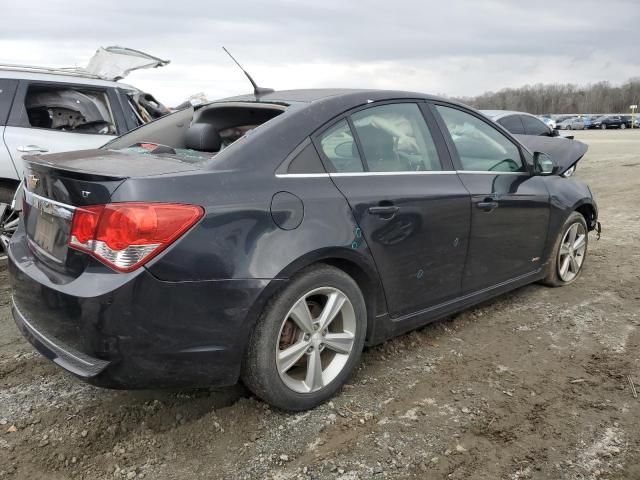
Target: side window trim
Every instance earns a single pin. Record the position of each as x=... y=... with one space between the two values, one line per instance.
x=453 y=152
x=356 y=139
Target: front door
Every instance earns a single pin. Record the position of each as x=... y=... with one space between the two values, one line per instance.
x=510 y=207
x=411 y=206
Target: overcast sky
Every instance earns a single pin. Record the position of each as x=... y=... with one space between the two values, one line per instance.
x=447 y=47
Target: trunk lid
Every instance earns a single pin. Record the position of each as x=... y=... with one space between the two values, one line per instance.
x=56 y=185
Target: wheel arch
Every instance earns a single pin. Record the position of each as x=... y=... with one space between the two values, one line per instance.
x=589 y=212
x=357 y=265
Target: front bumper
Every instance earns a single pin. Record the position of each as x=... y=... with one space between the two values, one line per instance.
x=132 y=330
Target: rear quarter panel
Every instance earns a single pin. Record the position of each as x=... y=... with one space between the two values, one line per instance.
x=238 y=238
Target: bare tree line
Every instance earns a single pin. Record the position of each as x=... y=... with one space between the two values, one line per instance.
x=601 y=97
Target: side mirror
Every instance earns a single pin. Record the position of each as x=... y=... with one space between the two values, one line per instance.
x=543 y=164
x=554 y=132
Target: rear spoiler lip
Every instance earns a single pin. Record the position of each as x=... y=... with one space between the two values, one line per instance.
x=38 y=163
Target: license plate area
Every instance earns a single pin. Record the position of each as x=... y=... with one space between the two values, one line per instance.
x=48 y=225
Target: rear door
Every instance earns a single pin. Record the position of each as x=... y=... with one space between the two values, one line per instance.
x=407 y=199
x=58 y=117
x=510 y=207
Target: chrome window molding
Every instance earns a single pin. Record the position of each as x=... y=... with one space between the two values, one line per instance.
x=374 y=174
x=487 y=172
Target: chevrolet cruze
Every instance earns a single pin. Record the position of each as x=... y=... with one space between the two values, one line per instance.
x=268 y=238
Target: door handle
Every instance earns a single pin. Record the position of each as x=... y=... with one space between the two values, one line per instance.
x=488 y=205
x=384 y=210
x=31 y=149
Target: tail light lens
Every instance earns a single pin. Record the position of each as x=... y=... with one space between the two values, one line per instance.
x=125 y=236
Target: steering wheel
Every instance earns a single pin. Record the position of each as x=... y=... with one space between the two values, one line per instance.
x=508 y=161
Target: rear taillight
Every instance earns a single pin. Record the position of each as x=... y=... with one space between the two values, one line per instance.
x=124 y=236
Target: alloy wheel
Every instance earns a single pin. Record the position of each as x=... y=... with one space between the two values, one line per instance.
x=316 y=339
x=8 y=224
x=572 y=252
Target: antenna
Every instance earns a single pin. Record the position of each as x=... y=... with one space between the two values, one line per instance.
x=257 y=91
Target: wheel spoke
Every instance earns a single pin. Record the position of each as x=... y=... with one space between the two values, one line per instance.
x=565 y=266
x=314 y=380
x=580 y=242
x=573 y=231
x=574 y=265
x=11 y=224
x=301 y=315
x=288 y=357
x=339 y=342
x=564 y=249
x=334 y=304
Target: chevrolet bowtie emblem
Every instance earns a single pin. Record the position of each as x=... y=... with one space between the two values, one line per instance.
x=32 y=182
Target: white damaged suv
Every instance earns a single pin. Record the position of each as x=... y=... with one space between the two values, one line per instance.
x=56 y=110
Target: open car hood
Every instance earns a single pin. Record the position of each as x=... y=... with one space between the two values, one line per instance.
x=565 y=152
x=115 y=63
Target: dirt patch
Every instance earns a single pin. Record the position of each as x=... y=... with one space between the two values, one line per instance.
x=533 y=385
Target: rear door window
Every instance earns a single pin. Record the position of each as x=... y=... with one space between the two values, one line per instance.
x=68 y=109
x=513 y=124
x=395 y=138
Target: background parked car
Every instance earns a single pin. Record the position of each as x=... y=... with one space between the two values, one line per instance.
x=550 y=122
x=609 y=121
x=560 y=118
x=574 y=123
x=628 y=120
x=520 y=123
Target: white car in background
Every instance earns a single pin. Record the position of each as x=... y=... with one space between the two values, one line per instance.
x=47 y=110
x=550 y=122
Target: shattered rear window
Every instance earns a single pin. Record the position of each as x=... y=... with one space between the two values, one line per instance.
x=183 y=154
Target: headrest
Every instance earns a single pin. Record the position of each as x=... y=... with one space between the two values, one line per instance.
x=203 y=137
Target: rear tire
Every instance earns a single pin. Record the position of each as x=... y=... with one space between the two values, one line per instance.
x=623 y=126
x=569 y=252
x=603 y=126
x=8 y=219
x=321 y=355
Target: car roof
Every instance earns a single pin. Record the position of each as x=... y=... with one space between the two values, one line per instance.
x=497 y=114
x=318 y=94
x=24 y=73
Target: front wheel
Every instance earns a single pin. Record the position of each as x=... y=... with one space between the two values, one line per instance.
x=569 y=252
x=603 y=126
x=308 y=340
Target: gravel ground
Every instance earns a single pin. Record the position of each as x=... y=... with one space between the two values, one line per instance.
x=533 y=385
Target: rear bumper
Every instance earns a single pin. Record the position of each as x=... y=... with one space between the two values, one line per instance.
x=132 y=330
x=76 y=362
